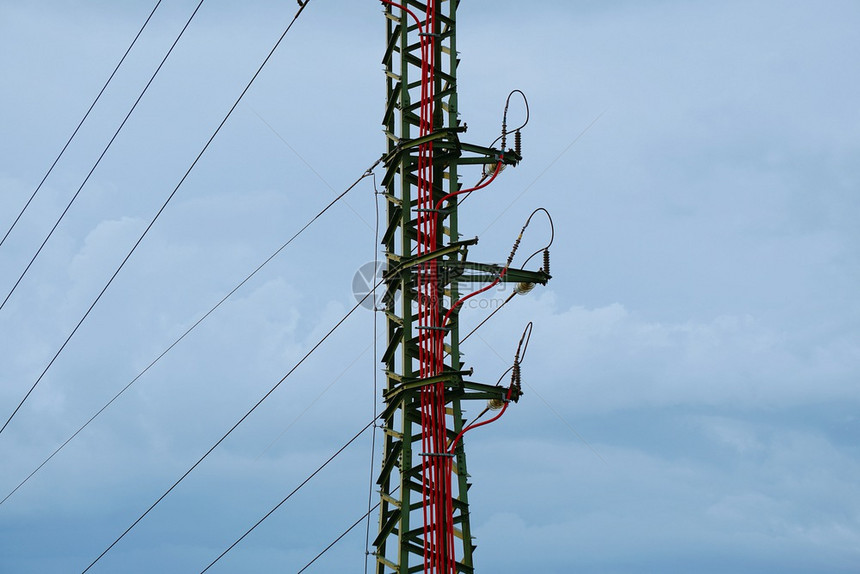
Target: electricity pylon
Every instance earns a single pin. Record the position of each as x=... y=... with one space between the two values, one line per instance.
x=424 y=512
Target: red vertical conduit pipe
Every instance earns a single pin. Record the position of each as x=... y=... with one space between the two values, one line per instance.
x=439 y=556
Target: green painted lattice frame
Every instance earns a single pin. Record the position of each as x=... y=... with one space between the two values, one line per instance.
x=398 y=546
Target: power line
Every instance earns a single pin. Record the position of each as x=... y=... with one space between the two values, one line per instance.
x=310 y=405
x=290 y=495
x=338 y=539
x=229 y=432
x=375 y=375
x=161 y=209
x=98 y=161
x=75 y=132
x=191 y=328
x=546 y=169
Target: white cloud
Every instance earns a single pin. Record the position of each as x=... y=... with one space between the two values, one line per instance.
x=791 y=493
x=609 y=358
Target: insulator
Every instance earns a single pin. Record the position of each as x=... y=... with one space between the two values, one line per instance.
x=504 y=130
x=490 y=169
x=518 y=143
x=523 y=287
x=514 y=248
x=515 y=375
x=495 y=404
x=546 y=261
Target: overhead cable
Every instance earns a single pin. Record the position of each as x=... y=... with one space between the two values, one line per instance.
x=75 y=132
x=161 y=209
x=514 y=390
x=338 y=539
x=488 y=317
x=191 y=328
x=234 y=427
x=503 y=137
x=505 y=130
x=101 y=156
x=290 y=495
x=545 y=249
x=375 y=376
x=523 y=288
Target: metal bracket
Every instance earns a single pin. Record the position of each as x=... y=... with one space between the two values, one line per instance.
x=469 y=272
x=405 y=264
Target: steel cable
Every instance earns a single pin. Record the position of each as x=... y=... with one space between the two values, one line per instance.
x=290 y=495
x=234 y=427
x=189 y=330
x=75 y=132
x=338 y=539
x=375 y=377
x=160 y=211
x=98 y=161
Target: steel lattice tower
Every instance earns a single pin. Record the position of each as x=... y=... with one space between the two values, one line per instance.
x=424 y=513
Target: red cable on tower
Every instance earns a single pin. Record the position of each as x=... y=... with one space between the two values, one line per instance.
x=419 y=127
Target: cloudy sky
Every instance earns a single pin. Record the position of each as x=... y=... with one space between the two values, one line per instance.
x=692 y=382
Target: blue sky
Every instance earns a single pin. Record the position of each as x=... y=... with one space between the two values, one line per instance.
x=692 y=381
